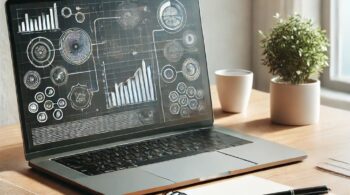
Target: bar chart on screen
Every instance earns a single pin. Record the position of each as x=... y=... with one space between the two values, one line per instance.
x=135 y=90
x=32 y=20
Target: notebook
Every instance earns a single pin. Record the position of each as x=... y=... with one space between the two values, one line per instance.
x=339 y=165
x=248 y=185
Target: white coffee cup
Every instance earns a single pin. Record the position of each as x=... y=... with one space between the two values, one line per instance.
x=234 y=88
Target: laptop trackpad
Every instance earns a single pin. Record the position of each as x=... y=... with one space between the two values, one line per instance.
x=125 y=181
x=202 y=166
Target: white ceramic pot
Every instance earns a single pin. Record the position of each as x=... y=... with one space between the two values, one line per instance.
x=295 y=104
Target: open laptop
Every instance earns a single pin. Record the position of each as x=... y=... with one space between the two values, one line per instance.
x=114 y=96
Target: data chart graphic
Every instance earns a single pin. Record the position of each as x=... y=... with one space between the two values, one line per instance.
x=136 y=90
x=44 y=21
x=100 y=68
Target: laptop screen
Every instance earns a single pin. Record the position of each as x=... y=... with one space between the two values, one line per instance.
x=90 y=69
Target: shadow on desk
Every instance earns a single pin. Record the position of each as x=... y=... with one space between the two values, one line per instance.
x=260 y=127
x=218 y=113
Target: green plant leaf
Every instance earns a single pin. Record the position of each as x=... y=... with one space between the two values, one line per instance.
x=294 y=50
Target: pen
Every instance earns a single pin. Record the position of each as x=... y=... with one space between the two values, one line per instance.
x=317 y=190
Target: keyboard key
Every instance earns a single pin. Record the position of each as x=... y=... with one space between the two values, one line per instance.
x=150 y=151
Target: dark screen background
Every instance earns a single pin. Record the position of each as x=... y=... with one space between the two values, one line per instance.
x=151 y=50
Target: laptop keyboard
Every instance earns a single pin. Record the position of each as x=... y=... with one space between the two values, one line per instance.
x=148 y=152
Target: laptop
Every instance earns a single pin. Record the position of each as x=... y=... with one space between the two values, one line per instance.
x=114 y=97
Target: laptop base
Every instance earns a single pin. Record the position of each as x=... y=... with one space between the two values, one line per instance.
x=259 y=154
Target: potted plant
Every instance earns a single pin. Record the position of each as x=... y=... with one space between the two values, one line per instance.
x=295 y=51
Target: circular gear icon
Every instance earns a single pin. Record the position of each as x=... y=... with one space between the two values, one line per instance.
x=172 y=16
x=169 y=74
x=191 y=69
x=59 y=76
x=80 y=17
x=32 y=80
x=66 y=12
x=174 y=96
x=50 y=92
x=189 y=39
x=57 y=114
x=185 y=112
x=62 y=103
x=173 y=51
x=80 y=97
x=42 y=117
x=193 y=104
x=181 y=88
x=130 y=15
x=41 y=52
x=200 y=94
x=33 y=107
x=48 y=105
x=175 y=109
x=39 y=97
x=191 y=92
x=183 y=100
x=75 y=46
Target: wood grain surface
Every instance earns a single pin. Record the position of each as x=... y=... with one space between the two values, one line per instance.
x=328 y=138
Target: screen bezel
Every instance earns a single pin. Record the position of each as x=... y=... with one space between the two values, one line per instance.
x=30 y=153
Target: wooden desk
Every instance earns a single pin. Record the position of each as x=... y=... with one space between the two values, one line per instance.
x=328 y=138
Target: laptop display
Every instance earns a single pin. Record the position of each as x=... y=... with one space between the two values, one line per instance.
x=88 y=69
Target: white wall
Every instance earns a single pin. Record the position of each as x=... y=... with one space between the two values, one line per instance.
x=263 y=10
x=226 y=26
x=8 y=102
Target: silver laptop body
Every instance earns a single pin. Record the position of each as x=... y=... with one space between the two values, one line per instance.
x=98 y=75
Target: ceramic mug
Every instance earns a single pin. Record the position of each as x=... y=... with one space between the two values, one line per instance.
x=234 y=89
